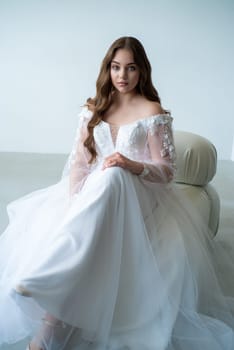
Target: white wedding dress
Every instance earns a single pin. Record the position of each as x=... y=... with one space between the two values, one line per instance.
x=123 y=262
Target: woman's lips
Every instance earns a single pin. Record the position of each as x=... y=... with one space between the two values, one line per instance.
x=121 y=83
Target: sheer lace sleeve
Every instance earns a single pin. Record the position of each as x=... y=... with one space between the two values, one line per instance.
x=77 y=167
x=161 y=167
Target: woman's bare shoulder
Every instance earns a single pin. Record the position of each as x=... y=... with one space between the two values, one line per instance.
x=151 y=108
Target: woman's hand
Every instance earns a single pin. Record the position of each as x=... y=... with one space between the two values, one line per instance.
x=117 y=159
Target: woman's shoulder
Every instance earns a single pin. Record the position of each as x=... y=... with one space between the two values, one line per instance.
x=156 y=115
x=149 y=108
x=153 y=108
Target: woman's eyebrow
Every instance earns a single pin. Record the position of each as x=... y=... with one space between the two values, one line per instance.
x=128 y=64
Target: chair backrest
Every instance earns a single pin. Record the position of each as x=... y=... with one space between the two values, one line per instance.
x=196 y=158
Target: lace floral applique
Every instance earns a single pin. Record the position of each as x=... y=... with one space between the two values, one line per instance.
x=168 y=149
x=163 y=128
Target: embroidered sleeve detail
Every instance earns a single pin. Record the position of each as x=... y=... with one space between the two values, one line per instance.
x=155 y=122
x=161 y=167
x=161 y=127
x=168 y=148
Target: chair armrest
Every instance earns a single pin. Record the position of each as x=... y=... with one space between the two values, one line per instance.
x=196 y=159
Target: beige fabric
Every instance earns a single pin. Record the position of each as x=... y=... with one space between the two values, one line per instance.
x=196 y=166
x=196 y=159
x=206 y=200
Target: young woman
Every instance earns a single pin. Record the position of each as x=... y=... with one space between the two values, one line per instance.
x=116 y=259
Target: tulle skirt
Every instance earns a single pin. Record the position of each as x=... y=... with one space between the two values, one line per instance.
x=127 y=264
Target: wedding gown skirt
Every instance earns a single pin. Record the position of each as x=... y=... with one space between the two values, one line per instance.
x=127 y=265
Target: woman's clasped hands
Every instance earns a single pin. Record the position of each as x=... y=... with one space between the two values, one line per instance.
x=119 y=160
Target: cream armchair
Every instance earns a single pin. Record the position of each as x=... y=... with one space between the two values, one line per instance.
x=196 y=166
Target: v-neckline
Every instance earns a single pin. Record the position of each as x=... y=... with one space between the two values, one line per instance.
x=127 y=125
x=114 y=142
x=114 y=132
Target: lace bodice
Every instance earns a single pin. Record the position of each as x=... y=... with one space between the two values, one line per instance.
x=132 y=139
x=148 y=140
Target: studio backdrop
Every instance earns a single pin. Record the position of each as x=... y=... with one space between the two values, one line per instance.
x=51 y=51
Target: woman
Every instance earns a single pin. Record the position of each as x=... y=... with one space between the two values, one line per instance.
x=117 y=259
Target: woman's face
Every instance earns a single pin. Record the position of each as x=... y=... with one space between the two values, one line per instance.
x=124 y=72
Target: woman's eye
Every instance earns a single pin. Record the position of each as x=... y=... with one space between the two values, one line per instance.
x=131 y=68
x=114 y=67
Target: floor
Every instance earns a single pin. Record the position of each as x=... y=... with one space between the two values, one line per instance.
x=22 y=173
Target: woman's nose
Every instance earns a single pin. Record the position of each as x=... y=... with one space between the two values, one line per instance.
x=123 y=73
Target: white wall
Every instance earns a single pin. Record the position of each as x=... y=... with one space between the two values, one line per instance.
x=50 y=53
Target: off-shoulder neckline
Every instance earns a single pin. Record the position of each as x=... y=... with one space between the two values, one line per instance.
x=141 y=120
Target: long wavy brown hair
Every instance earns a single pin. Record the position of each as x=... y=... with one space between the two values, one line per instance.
x=104 y=88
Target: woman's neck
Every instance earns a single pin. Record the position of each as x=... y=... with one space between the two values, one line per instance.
x=125 y=99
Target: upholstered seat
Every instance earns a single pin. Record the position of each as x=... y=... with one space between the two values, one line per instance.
x=196 y=166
